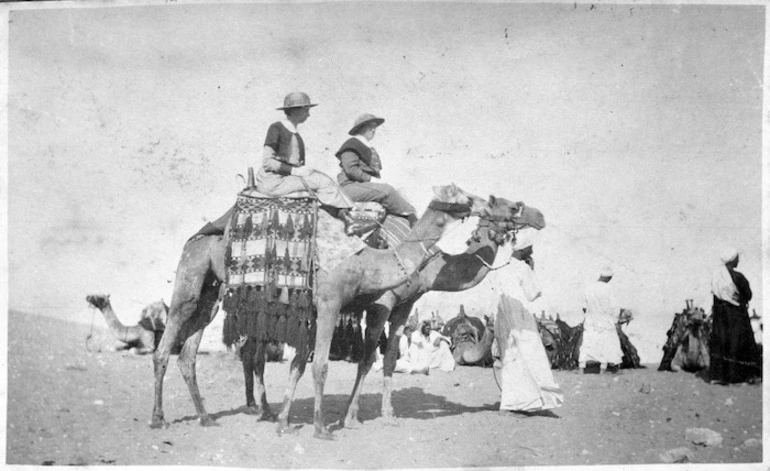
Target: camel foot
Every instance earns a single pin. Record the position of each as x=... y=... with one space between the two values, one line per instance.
x=390 y=421
x=285 y=429
x=351 y=422
x=252 y=410
x=266 y=415
x=207 y=421
x=323 y=433
x=158 y=422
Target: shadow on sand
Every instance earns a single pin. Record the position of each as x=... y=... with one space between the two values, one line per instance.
x=409 y=403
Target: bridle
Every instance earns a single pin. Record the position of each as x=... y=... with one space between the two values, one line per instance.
x=499 y=230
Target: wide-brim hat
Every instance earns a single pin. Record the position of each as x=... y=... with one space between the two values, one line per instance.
x=296 y=100
x=363 y=120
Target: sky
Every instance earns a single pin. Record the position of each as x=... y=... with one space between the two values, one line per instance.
x=636 y=129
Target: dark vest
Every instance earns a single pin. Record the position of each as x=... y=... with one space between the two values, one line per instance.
x=282 y=147
x=372 y=162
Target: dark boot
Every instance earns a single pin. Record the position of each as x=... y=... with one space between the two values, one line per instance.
x=612 y=368
x=592 y=368
x=412 y=218
x=353 y=226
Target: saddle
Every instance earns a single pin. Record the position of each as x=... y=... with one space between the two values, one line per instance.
x=275 y=245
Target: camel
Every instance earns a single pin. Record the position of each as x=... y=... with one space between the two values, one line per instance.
x=141 y=338
x=460 y=319
x=199 y=287
x=442 y=273
x=469 y=349
x=687 y=345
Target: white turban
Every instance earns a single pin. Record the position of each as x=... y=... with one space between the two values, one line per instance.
x=728 y=255
x=606 y=271
x=526 y=237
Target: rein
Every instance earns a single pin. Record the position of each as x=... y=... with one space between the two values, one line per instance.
x=499 y=234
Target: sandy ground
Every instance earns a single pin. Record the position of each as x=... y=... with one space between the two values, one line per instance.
x=71 y=406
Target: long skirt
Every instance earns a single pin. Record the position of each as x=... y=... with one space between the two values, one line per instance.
x=527 y=380
x=734 y=353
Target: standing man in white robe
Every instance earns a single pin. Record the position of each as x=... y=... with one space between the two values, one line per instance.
x=527 y=382
x=601 y=345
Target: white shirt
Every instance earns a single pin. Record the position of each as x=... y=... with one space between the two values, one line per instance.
x=722 y=286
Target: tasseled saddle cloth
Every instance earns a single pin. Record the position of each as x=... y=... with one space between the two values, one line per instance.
x=270 y=269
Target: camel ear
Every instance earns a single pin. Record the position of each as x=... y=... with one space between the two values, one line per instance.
x=492 y=200
x=439 y=193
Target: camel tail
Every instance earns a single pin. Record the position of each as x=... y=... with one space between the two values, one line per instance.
x=230 y=335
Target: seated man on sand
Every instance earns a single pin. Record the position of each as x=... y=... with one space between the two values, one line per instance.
x=429 y=349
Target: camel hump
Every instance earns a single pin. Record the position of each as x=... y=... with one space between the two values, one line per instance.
x=154 y=316
x=99 y=301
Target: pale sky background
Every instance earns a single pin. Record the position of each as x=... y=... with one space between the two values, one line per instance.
x=636 y=129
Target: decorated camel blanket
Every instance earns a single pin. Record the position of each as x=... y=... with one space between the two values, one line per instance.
x=270 y=269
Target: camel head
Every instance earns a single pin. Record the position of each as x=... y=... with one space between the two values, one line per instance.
x=456 y=202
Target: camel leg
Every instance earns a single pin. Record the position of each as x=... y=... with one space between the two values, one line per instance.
x=178 y=313
x=296 y=370
x=192 y=275
x=328 y=309
x=186 y=363
x=208 y=307
x=398 y=318
x=248 y=357
x=263 y=410
x=376 y=316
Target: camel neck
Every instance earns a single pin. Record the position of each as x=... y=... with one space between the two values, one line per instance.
x=414 y=250
x=462 y=271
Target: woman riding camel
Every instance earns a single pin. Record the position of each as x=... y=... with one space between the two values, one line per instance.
x=283 y=169
x=360 y=163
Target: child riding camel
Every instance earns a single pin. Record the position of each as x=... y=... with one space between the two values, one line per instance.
x=360 y=163
x=284 y=171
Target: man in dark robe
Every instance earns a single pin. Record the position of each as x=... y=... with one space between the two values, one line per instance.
x=734 y=353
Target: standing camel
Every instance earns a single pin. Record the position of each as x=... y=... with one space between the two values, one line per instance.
x=199 y=287
x=443 y=273
x=492 y=231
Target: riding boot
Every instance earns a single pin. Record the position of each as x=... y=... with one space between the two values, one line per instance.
x=353 y=226
x=412 y=218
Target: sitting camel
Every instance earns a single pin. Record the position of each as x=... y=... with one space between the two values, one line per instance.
x=199 y=286
x=469 y=345
x=141 y=338
x=468 y=349
x=687 y=345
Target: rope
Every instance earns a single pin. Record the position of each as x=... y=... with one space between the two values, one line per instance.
x=732 y=360
x=494 y=375
x=90 y=333
x=510 y=259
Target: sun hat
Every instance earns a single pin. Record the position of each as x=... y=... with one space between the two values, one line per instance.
x=296 y=100
x=606 y=272
x=363 y=120
x=729 y=254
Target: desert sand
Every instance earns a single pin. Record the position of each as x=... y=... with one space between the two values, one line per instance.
x=73 y=405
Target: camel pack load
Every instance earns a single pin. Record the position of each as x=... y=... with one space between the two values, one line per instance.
x=687 y=340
